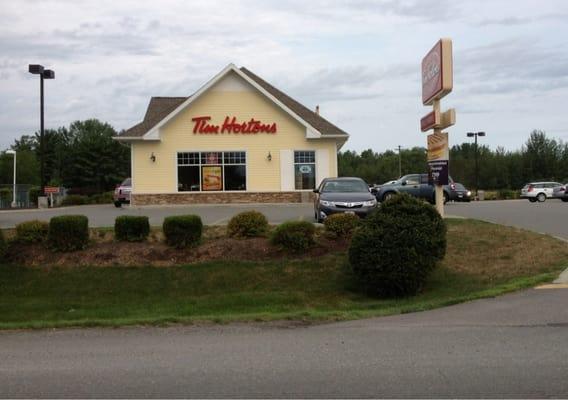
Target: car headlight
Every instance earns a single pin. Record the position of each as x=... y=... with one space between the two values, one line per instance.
x=468 y=193
x=370 y=203
x=326 y=203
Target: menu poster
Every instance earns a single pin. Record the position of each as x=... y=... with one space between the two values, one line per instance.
x=212 y=178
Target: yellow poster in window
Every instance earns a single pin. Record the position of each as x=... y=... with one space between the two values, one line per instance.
x=212 y=178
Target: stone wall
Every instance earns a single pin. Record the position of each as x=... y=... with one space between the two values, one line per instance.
x=220 y=198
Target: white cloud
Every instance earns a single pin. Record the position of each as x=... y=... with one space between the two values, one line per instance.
x=358 y=59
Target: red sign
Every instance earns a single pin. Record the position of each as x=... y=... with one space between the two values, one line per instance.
x=50 y=189
x=437 y=72
x=429 y=121
x=231 y=125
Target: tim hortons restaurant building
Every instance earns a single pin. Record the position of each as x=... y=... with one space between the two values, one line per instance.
x=238 y=139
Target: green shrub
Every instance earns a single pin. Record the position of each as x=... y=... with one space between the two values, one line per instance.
x=295 y=236
x=32 y=231
x=34 y=193
x=3 y=245
x=6 y=194
x=397 y=247
x=68 y=232
x=505 y=194
x=131 y=228
x=74 y=200
x=182 y=230
x=248 y=224
x=101 y=198
x=341 y=225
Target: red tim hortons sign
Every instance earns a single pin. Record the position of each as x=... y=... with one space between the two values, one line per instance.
x=437 y=72
x=231 y=125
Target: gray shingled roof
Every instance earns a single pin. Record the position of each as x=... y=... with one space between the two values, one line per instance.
x=161 y=107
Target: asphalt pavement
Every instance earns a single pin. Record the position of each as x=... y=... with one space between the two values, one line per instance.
x=550 y=217
x=510 y=346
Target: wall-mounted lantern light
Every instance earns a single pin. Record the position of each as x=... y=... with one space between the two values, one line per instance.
x=269 y=156
x=153 y=157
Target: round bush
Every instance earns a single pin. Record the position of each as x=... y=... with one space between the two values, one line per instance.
x=68 y=232
x=295 y=236
x=248 y=224
x=131 y=228
x=341 y=225
x=74 y=200
x=182 y=230
x=397 y=247
x=32 y=231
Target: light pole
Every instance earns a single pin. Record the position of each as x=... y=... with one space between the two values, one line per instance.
x=13 y=152
x=399 y=161
x=37 y=69
x=476 y=134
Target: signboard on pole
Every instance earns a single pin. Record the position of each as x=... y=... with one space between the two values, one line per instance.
x=51 y=189
x=438 y=158
x=437 y=72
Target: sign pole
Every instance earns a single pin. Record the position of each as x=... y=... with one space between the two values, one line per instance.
x=438 y=189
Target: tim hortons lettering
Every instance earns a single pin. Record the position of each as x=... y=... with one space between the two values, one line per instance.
x=231 y=125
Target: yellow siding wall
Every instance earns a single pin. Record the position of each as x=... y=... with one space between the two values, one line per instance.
x=177 y=135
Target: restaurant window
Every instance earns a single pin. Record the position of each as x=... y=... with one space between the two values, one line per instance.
x=305 y=170
x=211 y=171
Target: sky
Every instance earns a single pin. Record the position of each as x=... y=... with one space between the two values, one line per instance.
x=358 y=60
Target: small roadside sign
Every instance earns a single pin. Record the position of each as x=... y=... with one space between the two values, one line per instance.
x=51 y=189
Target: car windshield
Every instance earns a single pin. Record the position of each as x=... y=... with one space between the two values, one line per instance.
x=346 y=186
x=126 y=182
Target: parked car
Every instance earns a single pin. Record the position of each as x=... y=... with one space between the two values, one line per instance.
x=538 y=191
x=417 y=185
x=561 y=192
x=122 y=193
x=343 y=195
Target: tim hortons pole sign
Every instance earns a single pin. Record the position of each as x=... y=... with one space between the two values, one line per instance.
x=437 y=81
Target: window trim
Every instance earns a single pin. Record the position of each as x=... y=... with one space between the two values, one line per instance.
x=200 y=165
x=294 y=168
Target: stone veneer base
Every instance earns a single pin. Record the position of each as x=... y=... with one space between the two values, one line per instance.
x=220 y=198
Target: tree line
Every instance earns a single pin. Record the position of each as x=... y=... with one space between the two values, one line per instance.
x=83 y=156
x=540 y=158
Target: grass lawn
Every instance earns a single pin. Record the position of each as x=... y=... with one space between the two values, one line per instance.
x=482 y=260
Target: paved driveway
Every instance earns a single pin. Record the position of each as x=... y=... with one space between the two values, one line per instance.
x=511 y=346
x=550 y=217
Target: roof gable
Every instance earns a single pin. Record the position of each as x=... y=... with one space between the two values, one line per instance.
x=163 y=109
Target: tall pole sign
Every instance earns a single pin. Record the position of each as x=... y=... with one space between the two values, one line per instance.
x=437 y=81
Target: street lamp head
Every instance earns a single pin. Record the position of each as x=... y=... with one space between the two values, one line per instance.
x=10 y=151
x=480 y=133
x=470 y=134
x=48 y=74
x=35 y=69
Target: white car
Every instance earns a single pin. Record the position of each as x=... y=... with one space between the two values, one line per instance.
x=561 y=192
x=538 y=191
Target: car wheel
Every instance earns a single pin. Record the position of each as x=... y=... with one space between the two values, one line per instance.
x=564 y=200
x=532 y=200
x=446 y=198
x=388 y=195
x=541 y=197
x=117 y=204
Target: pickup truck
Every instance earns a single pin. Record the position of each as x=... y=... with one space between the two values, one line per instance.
x=417 y=185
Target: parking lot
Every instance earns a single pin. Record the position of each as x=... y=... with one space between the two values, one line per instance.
x=550 y=217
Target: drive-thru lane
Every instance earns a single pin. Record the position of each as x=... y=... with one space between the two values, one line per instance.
x=511 y=346
x=550 y=217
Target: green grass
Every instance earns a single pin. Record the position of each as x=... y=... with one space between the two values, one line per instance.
x=313 y=290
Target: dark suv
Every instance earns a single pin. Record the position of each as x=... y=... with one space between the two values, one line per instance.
x=417 y=185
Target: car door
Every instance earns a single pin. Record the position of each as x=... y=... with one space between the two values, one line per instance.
x=411 y=185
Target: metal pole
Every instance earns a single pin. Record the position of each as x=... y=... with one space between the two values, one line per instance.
x=41 y=149
x=14 y=190
x=476 y=171
x=399 y=162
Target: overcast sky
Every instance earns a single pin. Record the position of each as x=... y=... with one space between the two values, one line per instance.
x=359 y=60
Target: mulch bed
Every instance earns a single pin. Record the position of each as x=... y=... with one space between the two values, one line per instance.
x=112 y=253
